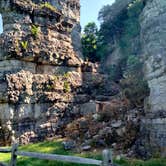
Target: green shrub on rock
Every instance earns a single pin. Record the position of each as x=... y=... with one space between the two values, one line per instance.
x=66 y=87
x=135 y=88
x=48 y=6
x=35 y=30
x=114 y=72
x=24 y=45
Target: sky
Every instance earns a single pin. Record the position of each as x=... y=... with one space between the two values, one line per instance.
x=89 y=11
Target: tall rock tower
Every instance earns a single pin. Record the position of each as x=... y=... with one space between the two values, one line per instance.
x=39 y=67
x=153 y=39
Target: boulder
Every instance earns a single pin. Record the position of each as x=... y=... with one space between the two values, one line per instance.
x=88 y=108
x=69 y=145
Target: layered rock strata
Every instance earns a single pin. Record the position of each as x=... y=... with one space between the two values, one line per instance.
x=46 y=89
x=153 y=39
x=45 y=85
x=150 y=46
x=40 y=66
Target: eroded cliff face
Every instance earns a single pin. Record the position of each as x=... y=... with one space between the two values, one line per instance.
x=149 y=45
x=39 y=66
x=153 y=38
x=47 y=90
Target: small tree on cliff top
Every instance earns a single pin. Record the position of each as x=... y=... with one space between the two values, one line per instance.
x=89 y=42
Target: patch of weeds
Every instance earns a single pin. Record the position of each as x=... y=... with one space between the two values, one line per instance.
x=24 y=45
x=35 y=30
x=66 y=87
x=48 y=6
x=55 y=147
x=66 y=75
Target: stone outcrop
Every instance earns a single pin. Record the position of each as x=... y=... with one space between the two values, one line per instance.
x=45 y=84
x=112 y=125
x=153 y=28
x=47 y=90
x=40 y=67
x=118 y=7
x=150 y=46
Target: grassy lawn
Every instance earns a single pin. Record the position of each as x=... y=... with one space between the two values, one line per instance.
x=56 y=147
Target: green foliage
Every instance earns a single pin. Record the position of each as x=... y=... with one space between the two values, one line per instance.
x=126 y=20
x=66 y=75
x=114 y=72
x=131 y=26
x=120 y=30
x=135 y=8
x=94 y=45
x=133 y=67
x=24 y=45
x=66 y=87
x=55 y=77
x=89 y=42
x=55 y=147
x=35 y=30
x=111 y=27
x=103 y=48
x=135 y=88
x=48 y=6
x=90 y=29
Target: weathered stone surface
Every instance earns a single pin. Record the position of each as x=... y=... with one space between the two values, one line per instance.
x=6 y=112
x=45 y=84
x=118 y=6
x=13 y=66
x=108 y=124
x=153 y=40
x=47 y=89
x=88 y=108
x=55 y=70
x=58 y=26
x=68 y=145
x=39 y=73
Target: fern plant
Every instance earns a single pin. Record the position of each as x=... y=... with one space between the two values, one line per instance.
x=24 y=45
x=34 y=30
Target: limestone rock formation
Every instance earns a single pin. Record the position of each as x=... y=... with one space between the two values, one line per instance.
x=149 y=45
x=45 y=84
x=47 y=90
x=153 y=40
x=40 y=68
